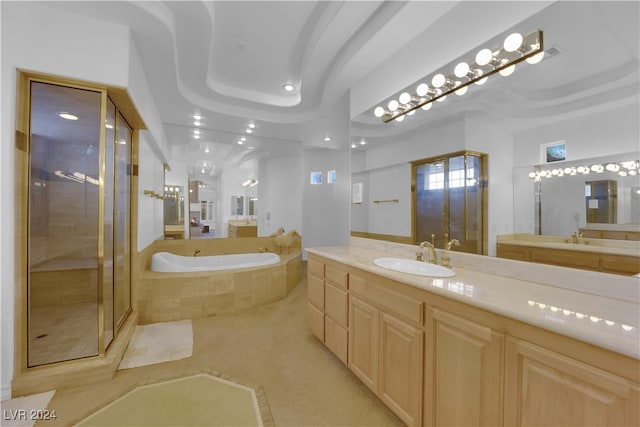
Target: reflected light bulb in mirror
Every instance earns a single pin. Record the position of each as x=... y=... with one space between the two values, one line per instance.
x=507 y=71
x=512 y=42
x=535 y=58
x=427 y=106
x=462 y=91
x=441 y=98
x=400 y=118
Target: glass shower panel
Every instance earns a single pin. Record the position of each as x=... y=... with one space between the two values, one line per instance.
x=430 y=202
x=123 y=207
x=107 y=283
x=473 y=238
x=62 y=281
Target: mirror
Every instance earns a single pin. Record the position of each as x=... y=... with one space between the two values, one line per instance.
x=174 y=205
x=591 y=106
x=228 y=174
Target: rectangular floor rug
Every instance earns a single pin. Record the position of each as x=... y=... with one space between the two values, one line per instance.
x=157 y=343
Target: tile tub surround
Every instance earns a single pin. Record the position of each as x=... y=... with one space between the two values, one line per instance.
x=597 y=304
x=175 y=296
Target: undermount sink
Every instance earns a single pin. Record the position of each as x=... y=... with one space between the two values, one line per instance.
x=411 y=266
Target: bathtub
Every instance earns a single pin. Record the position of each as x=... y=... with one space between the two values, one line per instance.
x=166 y=262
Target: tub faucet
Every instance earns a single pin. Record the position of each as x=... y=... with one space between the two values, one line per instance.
x=196 y=252
x=433 y=256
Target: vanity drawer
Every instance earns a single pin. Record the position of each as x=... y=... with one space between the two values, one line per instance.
x=336 y=276
x=388 y=300
x=316 y=268
x=315 y=292
x=336 y=304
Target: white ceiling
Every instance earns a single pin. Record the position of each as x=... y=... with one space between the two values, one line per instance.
x=229 y=60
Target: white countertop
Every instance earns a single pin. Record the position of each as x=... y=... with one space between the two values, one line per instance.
x=601 y=246
x=606 y=322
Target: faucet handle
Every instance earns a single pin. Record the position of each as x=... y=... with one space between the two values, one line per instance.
x=419 y=256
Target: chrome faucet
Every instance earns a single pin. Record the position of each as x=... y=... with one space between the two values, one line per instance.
x=433 y=256
x=196 y=252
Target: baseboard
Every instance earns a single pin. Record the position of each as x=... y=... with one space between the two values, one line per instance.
x=5 y=392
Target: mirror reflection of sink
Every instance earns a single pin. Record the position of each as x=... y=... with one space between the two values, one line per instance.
x=411 y=266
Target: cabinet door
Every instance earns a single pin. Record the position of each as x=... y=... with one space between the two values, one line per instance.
x=463 y=372
x=315 y=292
x=363 y=342
x=315 y=320
x=335 y=338
x=545 y=388
x=401 y=362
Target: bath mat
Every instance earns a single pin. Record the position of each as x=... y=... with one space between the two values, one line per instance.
x=157 y=343
x=25 y=411
x=198 y=400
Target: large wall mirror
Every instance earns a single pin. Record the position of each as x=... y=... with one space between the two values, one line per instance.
x=589 y=106
x=236 y=184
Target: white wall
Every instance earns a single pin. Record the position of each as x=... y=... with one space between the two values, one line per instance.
x=280 y=195
x=150 y=209
x=39 y=38
x=392 y=182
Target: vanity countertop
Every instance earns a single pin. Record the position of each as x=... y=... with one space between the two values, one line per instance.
x=606 y=322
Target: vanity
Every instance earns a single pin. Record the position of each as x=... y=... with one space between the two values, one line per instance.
x=498 y=343
x=605 y=255
x=242 y=228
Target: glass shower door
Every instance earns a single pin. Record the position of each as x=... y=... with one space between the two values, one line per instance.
x=449 y=201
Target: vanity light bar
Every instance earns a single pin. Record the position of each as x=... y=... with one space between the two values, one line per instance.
x=516 y=48
x=630 y=167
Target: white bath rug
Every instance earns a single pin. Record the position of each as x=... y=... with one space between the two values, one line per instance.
x=157 y=343
x=25 y=411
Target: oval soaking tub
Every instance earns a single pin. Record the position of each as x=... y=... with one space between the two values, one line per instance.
x=166 y=262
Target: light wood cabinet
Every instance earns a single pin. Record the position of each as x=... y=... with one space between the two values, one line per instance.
x=401 y=359
x=327 y=312
x=543 y=387
x=235 y=230
x=435 y=361
x=364 y=321
x=386 y=354
x=463 y=364
x=594 y=261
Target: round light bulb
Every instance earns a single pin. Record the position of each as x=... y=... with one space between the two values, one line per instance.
x=422 y=89
x=482 y=81
x=442 y=98
x=535 y=58
x=378 y=112
x=512 y=42
x=438 y=80
x=484 y=57
x=507 y=71
x=532 y=174
x=426 y=107
x=393 y=105
x=405 y=98
x=411 y=113
x=400 y=118
x=461 y=70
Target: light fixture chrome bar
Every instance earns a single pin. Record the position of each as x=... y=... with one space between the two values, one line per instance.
x=500 y=59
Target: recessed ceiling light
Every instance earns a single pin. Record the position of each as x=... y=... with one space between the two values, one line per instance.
x=206 y=149
x=252 y=125
x=196 y=123
x=240 y=142
x=288 y=87
x=249 y=130
x=196 y=131
x=67 y=116
x=363 y=142
x=327 y=138
x=197 y=116
x=242 y=138
x=353 y=145
x=196 y=136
